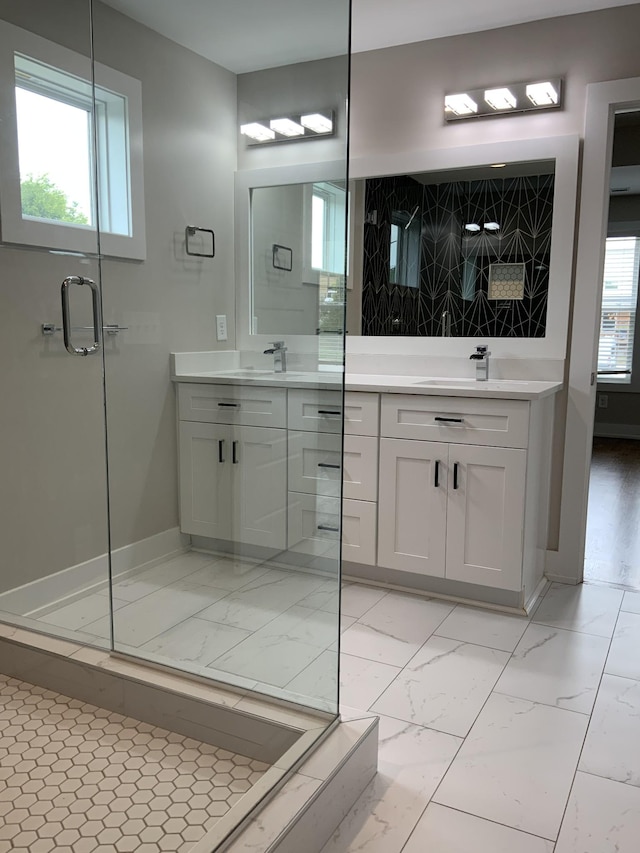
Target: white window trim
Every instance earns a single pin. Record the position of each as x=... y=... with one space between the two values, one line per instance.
x=64 y=236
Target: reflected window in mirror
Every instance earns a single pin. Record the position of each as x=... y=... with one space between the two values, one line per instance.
x=308 y=296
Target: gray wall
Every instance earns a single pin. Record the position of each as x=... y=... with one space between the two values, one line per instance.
x=397 y=95
x=52 y=502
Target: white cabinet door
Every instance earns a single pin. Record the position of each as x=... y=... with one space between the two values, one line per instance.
x=258 y=460
x=485 y=518
x=205 y=479
x=412 y=509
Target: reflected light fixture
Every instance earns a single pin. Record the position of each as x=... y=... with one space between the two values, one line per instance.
x=288 y=128
x=542 y=94
x=257 y=131
x=472 y=227
x=508 y=99
x=501 y=99
x=461 y=104
x=491 y=226
x=498 y=165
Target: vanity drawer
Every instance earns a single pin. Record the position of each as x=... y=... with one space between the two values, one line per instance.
x=315 y=410
x=360 y=461
x=462 y=420
x=361 y=413
x=315 y=463
x=359 y=532
x=232 y=404
x=314 y=525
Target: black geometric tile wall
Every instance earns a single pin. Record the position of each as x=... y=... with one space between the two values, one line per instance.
x=454 y=268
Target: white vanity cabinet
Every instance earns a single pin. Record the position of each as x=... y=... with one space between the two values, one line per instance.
x=463 y=496
x=454 y=509
x=319 y=464
x=233 y=463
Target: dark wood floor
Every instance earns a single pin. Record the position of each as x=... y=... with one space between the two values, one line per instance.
x=613 y=520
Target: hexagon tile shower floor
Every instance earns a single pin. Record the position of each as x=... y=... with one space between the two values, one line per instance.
x=79 y=779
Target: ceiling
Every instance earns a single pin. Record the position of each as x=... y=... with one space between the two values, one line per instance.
x=248 y=35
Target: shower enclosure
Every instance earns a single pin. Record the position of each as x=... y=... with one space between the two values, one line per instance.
x=120 y=150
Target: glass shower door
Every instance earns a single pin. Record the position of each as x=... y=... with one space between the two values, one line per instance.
x=53 y=493
x=225 y=563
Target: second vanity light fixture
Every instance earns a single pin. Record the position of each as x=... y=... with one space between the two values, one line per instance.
x=504 y=100
x=289 y=128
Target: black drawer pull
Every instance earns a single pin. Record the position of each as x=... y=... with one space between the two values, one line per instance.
x=455 y=475
x=436 y=481
x=234 y=451
x=229 y=405
x=220 y=450
x=328 y=412
x=328 y=527
x=327 y=465
x=449 y=420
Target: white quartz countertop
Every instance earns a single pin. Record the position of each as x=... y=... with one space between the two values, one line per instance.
x=428 y=385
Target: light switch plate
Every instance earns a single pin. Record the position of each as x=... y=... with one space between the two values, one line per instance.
x=221 y=327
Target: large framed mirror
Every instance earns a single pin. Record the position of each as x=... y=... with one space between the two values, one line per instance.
x=429 y=271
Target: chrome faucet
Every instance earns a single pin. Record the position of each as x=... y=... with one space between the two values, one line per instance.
x=481 y=358
x=279 y=352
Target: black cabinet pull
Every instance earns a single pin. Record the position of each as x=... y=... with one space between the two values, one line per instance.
x=220 y=450
x=455 y=475
x=436 y=481
x=229 y=405
x=328 y=412
x=449 y=420
x=327 y=465
x=234 y=450
x=328 y=527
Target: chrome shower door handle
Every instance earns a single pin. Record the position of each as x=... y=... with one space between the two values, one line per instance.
x=66 y=316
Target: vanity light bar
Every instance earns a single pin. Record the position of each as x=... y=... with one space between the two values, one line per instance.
x=504 y=100
x=289 y=128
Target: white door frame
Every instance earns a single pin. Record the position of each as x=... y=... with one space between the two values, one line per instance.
x=603 y=101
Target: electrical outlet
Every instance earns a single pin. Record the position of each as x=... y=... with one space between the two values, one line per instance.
x=603 y=401
x=221 y=327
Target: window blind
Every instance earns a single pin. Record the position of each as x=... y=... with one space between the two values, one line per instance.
x=619 y=302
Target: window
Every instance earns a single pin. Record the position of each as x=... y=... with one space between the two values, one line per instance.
x=618 y=313
x=73 y=157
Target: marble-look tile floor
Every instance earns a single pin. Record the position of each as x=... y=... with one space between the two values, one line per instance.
x=498 y=734
x=245 y=623
x=75 y=778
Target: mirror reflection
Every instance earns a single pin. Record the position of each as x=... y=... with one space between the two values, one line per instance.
x=458 y=254
x=298 y=250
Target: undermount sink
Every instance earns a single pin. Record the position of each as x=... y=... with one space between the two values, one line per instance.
x=470 y=383
x=250 y=373
x=464 y=383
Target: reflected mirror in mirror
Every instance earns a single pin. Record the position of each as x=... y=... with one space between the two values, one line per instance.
x=298 y=259
x=459 y=253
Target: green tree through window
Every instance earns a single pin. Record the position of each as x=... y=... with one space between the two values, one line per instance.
x=43 y=199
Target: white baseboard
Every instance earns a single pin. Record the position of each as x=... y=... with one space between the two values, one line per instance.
x=93 y=574
x=602 y=430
